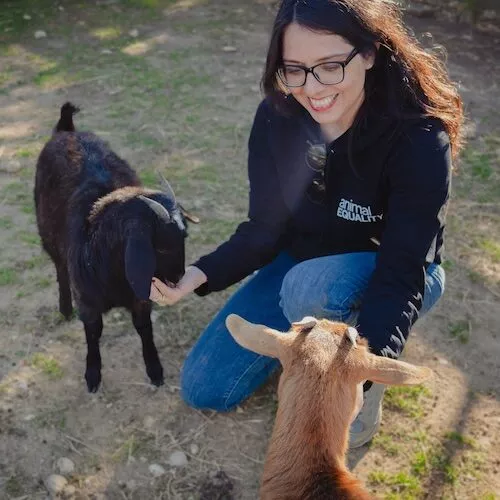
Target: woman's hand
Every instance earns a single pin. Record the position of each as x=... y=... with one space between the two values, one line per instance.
x=168 y=295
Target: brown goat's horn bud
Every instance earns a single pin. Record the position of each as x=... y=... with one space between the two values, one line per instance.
x=352 y=334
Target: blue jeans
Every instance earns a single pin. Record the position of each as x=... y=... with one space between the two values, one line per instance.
x=218 y=373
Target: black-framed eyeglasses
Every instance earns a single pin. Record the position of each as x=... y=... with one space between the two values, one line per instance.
x=327 y=73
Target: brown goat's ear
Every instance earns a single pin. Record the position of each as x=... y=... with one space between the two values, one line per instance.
x=188 y=215
x=256 y=338
x=393 y=372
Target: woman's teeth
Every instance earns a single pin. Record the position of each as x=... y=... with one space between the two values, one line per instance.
x=324 y=103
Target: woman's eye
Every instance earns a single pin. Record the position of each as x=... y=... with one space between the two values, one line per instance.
x=331 y=67
x=290 y=70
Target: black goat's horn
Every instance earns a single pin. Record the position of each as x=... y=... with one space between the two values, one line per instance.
x=167 y=188
x=157 y=208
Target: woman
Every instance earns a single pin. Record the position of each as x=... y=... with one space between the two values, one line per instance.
x=349 y=164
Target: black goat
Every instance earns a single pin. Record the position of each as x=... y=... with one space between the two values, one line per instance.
x=107 y=236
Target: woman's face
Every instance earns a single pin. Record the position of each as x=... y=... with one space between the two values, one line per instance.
x=334 y=107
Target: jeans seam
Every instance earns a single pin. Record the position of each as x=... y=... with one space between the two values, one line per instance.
x=238 y=380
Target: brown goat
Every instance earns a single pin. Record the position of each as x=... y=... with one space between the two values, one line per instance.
x=319 y=389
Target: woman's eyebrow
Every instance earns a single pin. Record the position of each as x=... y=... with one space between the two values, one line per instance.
x=333 y=56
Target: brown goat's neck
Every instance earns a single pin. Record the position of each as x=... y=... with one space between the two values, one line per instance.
x=307 y=451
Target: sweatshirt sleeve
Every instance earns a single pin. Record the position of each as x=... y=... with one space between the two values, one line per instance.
x=419 y=179
x=255 y=241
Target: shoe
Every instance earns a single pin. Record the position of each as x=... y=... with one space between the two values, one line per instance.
x=367 y=423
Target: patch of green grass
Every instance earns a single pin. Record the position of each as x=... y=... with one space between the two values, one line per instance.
x=401 y=484
x=53 y=418
x=14 y=486
x=8 y=276
x=107 y=33
x=461 y=439
x=488 y=496
x=29 y=238
x=407 y=399
x=35 y=262
x=6 y=223
x=387 y=443
x=134 y=445
x=460 y=331
x=47 y=365
x=492 y=248
x=42 y=282
x=448 y=264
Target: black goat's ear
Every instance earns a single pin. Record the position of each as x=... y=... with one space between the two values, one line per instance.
x=140 y=264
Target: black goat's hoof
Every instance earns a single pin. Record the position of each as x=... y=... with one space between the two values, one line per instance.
x=67 y=313
x=155 y=373
x=93 y=378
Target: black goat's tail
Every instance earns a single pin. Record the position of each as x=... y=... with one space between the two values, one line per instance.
x=65 y=123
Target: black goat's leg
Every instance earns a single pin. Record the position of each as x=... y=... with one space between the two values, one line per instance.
x=141 y=317
x=92 y=323
x=65 y=304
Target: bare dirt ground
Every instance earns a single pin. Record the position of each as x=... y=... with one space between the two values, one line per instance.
x=174 y=85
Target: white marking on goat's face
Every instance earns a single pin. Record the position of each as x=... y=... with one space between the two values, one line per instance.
x=176 y=216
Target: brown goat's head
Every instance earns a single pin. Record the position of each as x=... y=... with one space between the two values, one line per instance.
x=324 y=359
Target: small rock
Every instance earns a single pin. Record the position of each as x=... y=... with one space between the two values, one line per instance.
x=29 y=418
x=134 y=33
x=142 y=460
x=40 y=34
x=22 y=385
x=443 y=361
x=61 y=8
x=178 y=459
x=55 y=484
x=109 y=405
x=69 y=491
x=229 y=48
x=154 y=316
x=65 y=465
x=27 y=17
x=156 y=470
x=148 y=422
x=131 y=485
x=106 y=51
x=239 y=409
x=194 y=449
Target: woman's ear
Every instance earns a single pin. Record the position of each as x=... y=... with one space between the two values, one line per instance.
x=370 y=55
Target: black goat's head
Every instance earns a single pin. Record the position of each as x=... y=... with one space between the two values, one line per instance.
x=157 y=248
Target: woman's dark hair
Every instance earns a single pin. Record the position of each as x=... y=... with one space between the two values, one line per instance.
x=405 y=80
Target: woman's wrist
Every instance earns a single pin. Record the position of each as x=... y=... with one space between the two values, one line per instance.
x=198 y=277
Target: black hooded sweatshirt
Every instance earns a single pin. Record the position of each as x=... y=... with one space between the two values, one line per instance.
x=386 y=193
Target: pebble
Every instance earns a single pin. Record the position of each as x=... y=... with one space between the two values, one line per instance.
x=178 y=459
x=40 y=34
x=105 y=52
x=131 y=485
x=69 y=491
x=134 y=33
x=156 y=470
x=27 y=17
x=65 y=465
x=148 y=422
x=229 y=48
x=55 y=484
x=194 y=449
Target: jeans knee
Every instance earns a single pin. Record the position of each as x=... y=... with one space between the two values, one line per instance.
x=300 y=296
x=194 y=392
x=304 y=293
